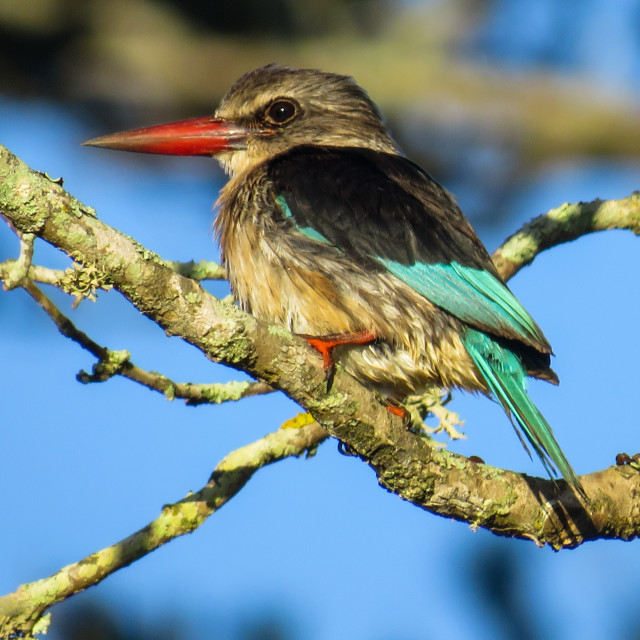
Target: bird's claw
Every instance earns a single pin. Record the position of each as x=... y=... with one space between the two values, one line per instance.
x=329 y=375
x=400 y=411
x=345 y=449
x=325 y=345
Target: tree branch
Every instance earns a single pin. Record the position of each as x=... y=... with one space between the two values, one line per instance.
x=564 y=224
x=21 y=610
x=111 y=363
x=203 y=270
x=444 y=483
x=35 y=273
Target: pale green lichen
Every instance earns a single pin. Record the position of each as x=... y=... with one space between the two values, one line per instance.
x=58 y=181
x=233 y=351
x=169 y=391
x=563 y=212
x=433 y=403
x=106 y=368
x=203 y=270
x=133 y=272
x=452 y=460
x=279 y=331
x=521 y=245
x=176 y=519
x=147 y=254
x=90 y=211
x=193 y=297
x=42 y=625
x=84 y=281
x=223 y=392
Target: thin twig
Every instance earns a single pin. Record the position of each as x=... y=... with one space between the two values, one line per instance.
x=112 y=363
x=17 y=271
x=564 y=224
x=21 y=610
x=203 y=270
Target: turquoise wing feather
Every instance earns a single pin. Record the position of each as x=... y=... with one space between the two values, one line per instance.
x=479 y=299
x=506 y=378
x=475 y=296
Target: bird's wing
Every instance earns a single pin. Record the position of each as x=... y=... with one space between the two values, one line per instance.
x=384 y=212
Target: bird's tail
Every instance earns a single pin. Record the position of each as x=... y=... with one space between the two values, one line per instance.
x=506 y=376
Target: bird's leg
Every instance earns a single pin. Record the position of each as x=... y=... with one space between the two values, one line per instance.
x=398 y=410
x=325 y=345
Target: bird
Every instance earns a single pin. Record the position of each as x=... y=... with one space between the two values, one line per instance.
x=327 y=228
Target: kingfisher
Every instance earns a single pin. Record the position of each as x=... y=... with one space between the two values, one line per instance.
x=327 y=228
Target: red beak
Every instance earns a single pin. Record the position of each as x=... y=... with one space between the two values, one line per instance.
x=194 y=137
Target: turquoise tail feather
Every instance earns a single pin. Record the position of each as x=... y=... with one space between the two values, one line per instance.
x=506 y=376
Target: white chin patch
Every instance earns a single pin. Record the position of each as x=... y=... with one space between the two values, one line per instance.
x=234 y=162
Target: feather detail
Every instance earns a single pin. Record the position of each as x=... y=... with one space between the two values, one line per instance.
x=506 y=377
x=310 y=232
x=473 y=295
x=337 y=255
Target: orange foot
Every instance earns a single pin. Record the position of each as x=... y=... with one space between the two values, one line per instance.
x=398 y=410
x=325 y=345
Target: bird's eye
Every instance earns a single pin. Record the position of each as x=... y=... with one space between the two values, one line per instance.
x=281 y=111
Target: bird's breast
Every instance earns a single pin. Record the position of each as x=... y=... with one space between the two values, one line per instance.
x=276 y=285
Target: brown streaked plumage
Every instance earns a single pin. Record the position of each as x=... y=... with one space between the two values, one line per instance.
x=270 y=273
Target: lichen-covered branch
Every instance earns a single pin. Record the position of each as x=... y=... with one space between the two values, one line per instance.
x=409 y=465
x=203 y=270
x=15 y=272
x=564 y=224
x=441 y=482
x=35 y=273
x=22 y=609
x=111 y=363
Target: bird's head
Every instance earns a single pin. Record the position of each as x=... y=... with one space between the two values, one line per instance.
x=266 y=112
